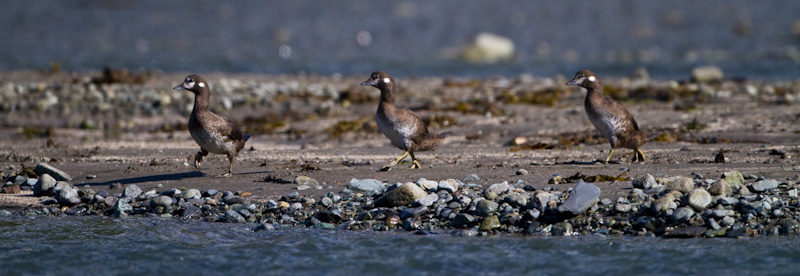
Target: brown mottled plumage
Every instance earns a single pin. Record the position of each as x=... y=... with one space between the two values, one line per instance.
x=402 y=126
x=610 y=117
x=213 y=133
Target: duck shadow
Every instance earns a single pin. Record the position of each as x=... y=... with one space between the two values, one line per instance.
x=153 y=178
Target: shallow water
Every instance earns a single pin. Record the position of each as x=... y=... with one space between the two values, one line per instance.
x=103 y=246
x=746 y=38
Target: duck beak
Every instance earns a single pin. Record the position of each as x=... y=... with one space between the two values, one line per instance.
x=367 y=83
x=179 y=87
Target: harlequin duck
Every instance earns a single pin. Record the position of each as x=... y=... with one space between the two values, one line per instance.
x=402 y=126
x=610 y=117
x=213 y=133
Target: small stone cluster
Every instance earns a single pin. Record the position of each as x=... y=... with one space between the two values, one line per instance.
x=732 y=205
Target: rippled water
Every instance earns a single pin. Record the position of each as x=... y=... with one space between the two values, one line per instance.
x=746 y=38
x=102 y=246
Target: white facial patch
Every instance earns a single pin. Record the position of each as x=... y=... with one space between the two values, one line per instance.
x=592 y=78
x=202 y=84
x=387 y=80
x=189 y=85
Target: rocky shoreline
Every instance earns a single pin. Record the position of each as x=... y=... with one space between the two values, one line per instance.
x=521 y=149
x=729 y=205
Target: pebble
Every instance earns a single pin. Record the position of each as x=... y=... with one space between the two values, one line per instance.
x=644 y=182
x=580 y=199
x=402 y=195
x=489 y=224
x=428 y=185
x=734 y=179
x=210 y=192
x=232 y=216
x=67 y=196
x=132 y=191
x=680 y=184
x=462 y=220
x=121 y=207
x=707 y=74
x=562 y=229
x=720 y=188
x=413 y=212
x=495 y=190
x=44 y=186
x=556 y=179
x=699 y=199
x=326 y=201
x=522 y=172
x=305 y=180
x=450 y=185
x=427 y=201
x=367 y=185
x=234 y=200
x=727 y=221
x=160 y=201
x=190 y=194
x=296 y=206
x=486 y=207
x=763 y=185
x=681 y=215
x=664 y=204
x=471 y=178
x=57 y=174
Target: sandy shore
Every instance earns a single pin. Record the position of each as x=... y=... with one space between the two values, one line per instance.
x=757 y=134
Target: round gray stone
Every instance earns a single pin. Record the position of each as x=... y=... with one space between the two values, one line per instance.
x=699 y=199
x=160 y=201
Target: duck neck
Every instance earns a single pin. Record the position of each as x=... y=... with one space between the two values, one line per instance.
x=387 y=95
x=201 y=100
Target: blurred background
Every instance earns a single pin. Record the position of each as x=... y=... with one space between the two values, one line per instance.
x=759 y=40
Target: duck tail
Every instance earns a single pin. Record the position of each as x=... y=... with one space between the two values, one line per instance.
x=429 y=141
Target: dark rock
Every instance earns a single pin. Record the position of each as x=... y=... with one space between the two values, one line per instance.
x=561 y=229
x=687 y=232
x=330 y=216
x=191 y=212
x=645 y=222
x=463 y=220
x=413 y=212
x=486 y=207
x=264 y=227
x=580 y=199
x=234 y=200
x=681 y=215
x=232 y=216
